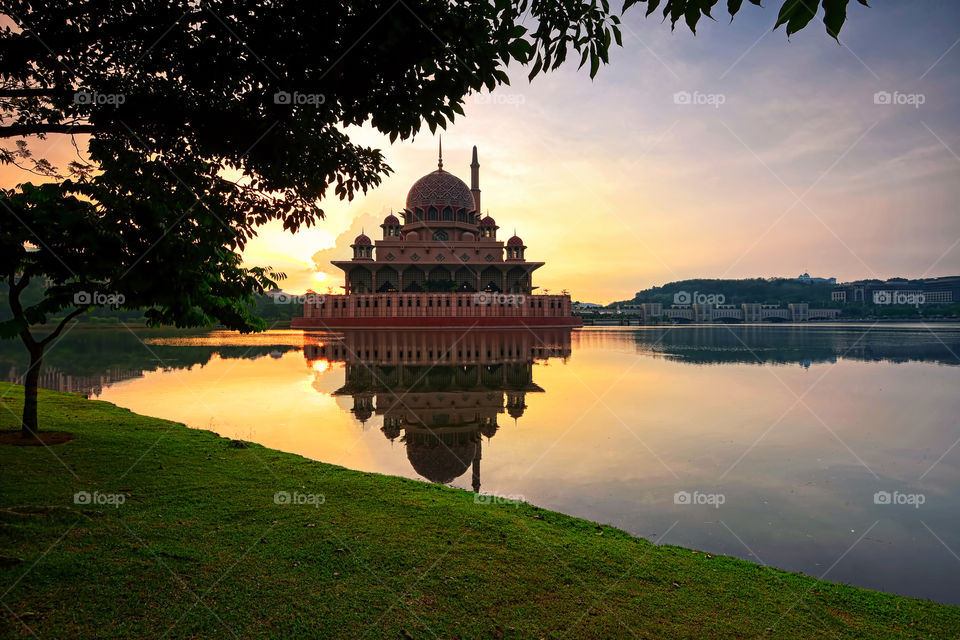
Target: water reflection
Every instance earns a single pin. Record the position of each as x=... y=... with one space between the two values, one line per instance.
x=438 y=392
x=798 y=427
x=791 y=344
x=86 y=360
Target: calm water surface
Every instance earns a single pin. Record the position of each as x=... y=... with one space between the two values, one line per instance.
x=770 y=443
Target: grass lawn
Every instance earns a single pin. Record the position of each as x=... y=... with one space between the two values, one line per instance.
x=199 y=548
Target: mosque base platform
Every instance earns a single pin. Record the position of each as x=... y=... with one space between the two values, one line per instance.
x=325 y=324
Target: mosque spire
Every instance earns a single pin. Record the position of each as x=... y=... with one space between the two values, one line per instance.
x=475 y=180
x=440 y=155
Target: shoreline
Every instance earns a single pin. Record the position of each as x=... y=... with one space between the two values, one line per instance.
x=199 y=505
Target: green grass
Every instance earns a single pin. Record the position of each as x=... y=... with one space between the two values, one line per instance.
x=199 y=549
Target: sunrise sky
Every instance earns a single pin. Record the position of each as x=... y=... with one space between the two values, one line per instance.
x=787 y=165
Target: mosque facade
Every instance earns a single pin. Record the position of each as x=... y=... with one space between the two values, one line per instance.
x=440 y=264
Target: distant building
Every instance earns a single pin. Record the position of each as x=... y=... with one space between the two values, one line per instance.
x=585 y=306
x=806 y=277
x=651 y=312
x=899 y=291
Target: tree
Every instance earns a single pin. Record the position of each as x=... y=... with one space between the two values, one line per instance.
x=207 y=120
x=89 y=242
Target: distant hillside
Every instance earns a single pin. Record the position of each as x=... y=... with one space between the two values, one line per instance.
x=767 y=291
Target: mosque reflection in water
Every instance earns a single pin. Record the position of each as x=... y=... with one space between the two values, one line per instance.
x=439 y=392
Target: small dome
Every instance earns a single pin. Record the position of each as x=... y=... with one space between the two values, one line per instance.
x=440 y=189
x=391 y=219
x=362 y=239
x=515 y=241
x=489 y=429
x=515 y=412
x=488 y=222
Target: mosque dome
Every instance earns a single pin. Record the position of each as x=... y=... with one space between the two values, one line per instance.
x=362 y=239
x=488 y=222
x=440 y=189
x=515 y=241
x=391 y=219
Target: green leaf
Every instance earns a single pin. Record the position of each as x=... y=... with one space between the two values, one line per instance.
x=536 y=68
x=796 y=14
x=834 y=15
x=692 y=16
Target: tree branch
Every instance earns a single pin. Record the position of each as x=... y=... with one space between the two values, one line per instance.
x=19 y=130
x=32 y=93
x=17 y=309
x=73 y=314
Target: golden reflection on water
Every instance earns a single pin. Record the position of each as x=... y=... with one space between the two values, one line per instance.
x=798 y=428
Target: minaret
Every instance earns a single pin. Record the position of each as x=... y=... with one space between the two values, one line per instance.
x=475 y=180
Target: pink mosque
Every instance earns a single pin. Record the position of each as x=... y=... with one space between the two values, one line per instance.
x=442 y=266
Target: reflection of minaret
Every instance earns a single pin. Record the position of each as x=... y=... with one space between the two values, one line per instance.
x=475 y=179
x=363 y=406
x=476 y=467
x=515 y=404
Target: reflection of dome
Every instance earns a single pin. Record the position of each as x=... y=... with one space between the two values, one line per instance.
x=488 y=222
x=391 y=219
x=363 y=413
x=489 y=429
x=439 y=463
x=440 y=189
x=515 y=411
x=362 y=239
x=515 y=241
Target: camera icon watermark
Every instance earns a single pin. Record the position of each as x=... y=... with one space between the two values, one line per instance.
x=897 y=98
x=281 y=297
x=699 y=498
x=99 y=99
x=96 y=498
x=509 y=99
x=914 y=298
x=493 y=498
x=503 y=299
x=297 y=498
x=896 y=498
x=86 y=298
x=698 y=98
x=685 y=297
x=297 y=98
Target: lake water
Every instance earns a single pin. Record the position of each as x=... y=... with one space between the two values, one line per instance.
x=827 y=449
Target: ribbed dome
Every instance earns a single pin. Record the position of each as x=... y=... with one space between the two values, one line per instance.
x=515 y=241
x=488 y=222
x=391 y=219
x=440 y=189
x=362 y=239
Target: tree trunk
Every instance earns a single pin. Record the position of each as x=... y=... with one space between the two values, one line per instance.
x=29 y=427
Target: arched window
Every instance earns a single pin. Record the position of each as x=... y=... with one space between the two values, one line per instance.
x=431 y=214
x=441 y=236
